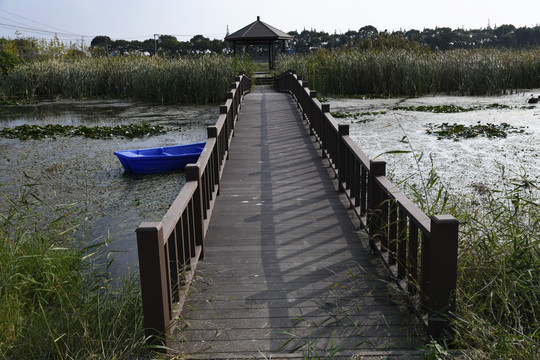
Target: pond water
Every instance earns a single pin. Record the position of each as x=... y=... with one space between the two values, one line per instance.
x=463 y=165
x=75 y=170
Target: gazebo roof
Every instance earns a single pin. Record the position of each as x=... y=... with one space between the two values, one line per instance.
x=258 y=31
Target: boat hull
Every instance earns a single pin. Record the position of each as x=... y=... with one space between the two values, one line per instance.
x=167 y=158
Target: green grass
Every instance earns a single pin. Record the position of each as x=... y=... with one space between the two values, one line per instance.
x=57 y=301
x=185 y=80
x=416 y=71
x=498 y=289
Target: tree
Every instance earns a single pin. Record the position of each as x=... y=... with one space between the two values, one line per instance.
x=200 y=43
x=8 y=60
x=169 y=44
x=101 y=45
x=100 y=41
x=367 y=31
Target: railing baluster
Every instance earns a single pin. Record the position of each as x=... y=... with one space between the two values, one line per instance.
x=356 y=181
x=174 y=265
x=363 y=190
x=392 y=232
x=402 y=244
x=375 y=200
x=412 y=259
x=186 y=235
x=341 y=164
x=384 y=232
x=193 y=173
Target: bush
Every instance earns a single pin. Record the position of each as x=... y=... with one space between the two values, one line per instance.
x=8 y=60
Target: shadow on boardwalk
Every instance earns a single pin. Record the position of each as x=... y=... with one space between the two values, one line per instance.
x=287 y=272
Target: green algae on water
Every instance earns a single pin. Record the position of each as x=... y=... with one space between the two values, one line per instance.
x=25 y=132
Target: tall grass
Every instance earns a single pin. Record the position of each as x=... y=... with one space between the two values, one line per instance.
x=498 y=290
x=55 y=300
x=416 y=71
x=184 y=80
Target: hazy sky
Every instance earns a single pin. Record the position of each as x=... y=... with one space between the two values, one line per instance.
x=141 y=19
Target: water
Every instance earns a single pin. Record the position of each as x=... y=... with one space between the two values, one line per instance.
x=109 y=203
x=463 y=166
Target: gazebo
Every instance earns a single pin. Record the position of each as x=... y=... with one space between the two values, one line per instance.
x=259 y=33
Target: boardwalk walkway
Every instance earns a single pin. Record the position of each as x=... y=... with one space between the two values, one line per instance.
x=286 y=268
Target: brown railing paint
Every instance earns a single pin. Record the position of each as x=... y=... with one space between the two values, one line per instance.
x=170 y=249
x=398 y=230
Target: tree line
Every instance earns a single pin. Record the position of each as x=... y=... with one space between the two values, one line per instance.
x=13 y=51
x=444 y=38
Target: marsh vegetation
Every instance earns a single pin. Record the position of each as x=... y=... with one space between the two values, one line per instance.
x=406 y=69
x=191 y=80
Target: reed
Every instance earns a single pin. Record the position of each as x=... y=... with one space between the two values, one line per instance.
x=57 y=301
x=498 y=289
x=416 y=71
x=185 y=80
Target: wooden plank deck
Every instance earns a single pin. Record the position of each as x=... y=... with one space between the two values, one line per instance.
x=286 y=267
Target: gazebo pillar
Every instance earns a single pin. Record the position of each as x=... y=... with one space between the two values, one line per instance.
x=271 y=59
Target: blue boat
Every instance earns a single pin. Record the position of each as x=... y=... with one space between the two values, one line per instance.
x=167 y=158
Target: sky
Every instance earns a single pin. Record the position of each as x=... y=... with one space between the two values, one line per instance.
x=76 y=20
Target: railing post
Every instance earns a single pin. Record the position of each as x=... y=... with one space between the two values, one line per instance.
x=303 y=100
x=343 y=130
x=193 y=173
x=375 y=199
x=229 y=124
x=439 y=272
x=311 y=107
x=213 y=133
x=153 y=267
x=321 y=132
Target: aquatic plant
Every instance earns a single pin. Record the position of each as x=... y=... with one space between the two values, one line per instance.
x=460 y=131
x=348 y=114
x=448 y=109
x=130 y=131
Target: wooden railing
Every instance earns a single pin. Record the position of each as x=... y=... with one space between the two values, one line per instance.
x=170 y=249
x=419 y=251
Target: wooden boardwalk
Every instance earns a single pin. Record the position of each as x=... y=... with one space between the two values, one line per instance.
x=287 y=271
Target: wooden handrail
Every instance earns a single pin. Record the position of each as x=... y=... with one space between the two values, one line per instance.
x=398 y=230
x=170 y=249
